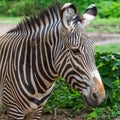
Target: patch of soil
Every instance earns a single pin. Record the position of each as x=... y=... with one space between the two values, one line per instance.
x=104 y=38
x=62 y=114
x=61 y=117
x=99 y=38
x=5 y=27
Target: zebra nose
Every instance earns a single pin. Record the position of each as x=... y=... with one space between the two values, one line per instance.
x=94 y=96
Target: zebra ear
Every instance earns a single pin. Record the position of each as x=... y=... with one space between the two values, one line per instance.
x=68 y=12
x=89 y=14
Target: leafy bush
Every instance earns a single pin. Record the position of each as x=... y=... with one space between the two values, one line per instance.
x=4 y=6
x=22 y=7
x=64 y=97
x=109 y=9
x=109 y=68
x=27 y=7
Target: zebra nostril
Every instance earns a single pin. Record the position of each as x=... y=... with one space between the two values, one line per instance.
x=95 y=97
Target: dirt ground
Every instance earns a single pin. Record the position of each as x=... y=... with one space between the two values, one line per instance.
x=64 y=114
x=100 y=39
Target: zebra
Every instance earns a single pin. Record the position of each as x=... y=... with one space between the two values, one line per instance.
x=40 y=49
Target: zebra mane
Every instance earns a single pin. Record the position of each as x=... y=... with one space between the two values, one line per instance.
x=29 y=22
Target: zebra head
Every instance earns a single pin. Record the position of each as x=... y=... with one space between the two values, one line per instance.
x=75 y=57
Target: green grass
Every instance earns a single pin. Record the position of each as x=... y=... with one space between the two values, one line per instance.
x=108 y=48
x=105 y=25
x=10 y=20
x=106 y=21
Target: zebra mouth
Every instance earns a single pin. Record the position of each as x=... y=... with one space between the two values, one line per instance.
x=90 y=102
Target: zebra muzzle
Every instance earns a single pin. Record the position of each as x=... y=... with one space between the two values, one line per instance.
x=91 y=102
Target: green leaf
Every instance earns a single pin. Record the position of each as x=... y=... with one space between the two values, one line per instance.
x=92 y=115
x=117 y=73
x=109 y=93
x=104 y=71
x=108 y=82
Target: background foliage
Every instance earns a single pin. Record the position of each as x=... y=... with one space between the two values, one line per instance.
x=107 y=9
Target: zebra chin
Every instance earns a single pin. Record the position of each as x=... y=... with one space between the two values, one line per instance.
x=89 y=102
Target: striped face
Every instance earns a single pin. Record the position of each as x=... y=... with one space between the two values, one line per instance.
x=75 y=59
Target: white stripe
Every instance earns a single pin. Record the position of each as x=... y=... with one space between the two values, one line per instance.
x=91 y=6
x=88 y=18
x=66 y=5
x=96 y=75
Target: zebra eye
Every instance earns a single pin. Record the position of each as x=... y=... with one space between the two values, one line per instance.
x=75 y=51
